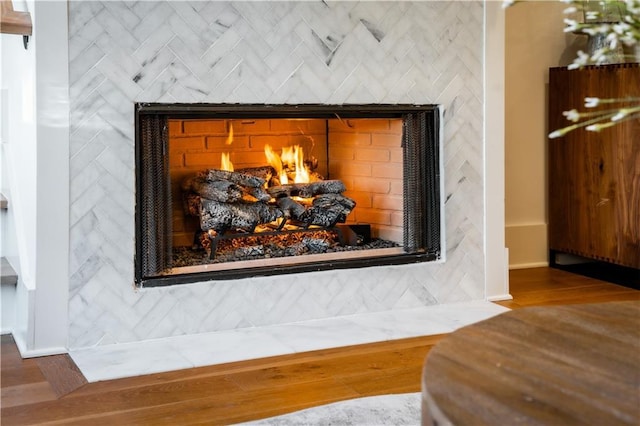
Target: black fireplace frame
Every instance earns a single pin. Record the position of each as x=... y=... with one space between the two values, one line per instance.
x=424 y=213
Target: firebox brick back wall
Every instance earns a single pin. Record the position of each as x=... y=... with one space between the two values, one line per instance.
x=273 y=53
x=364 y=154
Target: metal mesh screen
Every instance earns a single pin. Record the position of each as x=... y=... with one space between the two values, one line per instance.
x=154 y=239
x=154 y=196
x=421 y=201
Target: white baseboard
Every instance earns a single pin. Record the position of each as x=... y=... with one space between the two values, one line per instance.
x=529 y=265
x=500 y=297
x=33 y=353
x=7 y=308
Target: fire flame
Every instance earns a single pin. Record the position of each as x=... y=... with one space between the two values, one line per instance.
x=292 y=158
x=274 y=161
x=225 y=162
x=230 y=137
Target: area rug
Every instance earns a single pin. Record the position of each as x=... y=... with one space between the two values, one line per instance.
x=401 y=409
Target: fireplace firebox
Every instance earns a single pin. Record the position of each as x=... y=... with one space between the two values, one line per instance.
x=230 y=191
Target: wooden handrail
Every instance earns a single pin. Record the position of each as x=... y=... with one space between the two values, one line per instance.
x=14 y=22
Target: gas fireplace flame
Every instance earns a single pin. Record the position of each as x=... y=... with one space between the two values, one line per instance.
x=293 y=157
x=274 y=161
x=230 y=137
x=290 y=160
x=225 y=162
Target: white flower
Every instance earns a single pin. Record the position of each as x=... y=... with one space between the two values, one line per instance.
x=572 y=115
x=612 y=39
x=600 y=55
x=633 y=6
x=621 y=27
x=572 y=25
x=629 y=19
x=622 y=113
x=563 y=131
x=591 y=15
x=580 y=60
x=591 y=102
x=599 y=126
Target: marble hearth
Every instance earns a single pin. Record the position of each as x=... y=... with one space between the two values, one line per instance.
x=308 y=52
x=191 y=351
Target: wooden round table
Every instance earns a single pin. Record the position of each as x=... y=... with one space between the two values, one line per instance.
x=555 y=365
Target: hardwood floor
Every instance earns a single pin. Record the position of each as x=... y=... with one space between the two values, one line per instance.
x=250 y=390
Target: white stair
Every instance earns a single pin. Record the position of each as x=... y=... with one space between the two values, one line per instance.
x=7 y=275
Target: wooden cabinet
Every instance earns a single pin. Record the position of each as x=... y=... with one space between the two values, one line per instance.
x=594 y=177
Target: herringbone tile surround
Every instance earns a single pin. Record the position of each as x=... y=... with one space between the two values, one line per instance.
x=122 y=52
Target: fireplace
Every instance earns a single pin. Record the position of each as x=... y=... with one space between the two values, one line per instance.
x=217 y=196
x=232 y=53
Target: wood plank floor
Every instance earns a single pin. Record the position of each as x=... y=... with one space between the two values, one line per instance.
x=250 y=390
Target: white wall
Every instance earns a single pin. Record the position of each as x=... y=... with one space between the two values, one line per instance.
x=496 y=277
x=35 y=155
x=534 y=43
x=52 y=253
x=19 y=148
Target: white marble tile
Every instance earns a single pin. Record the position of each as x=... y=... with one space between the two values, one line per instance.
x=86 y=84
x=115 y=73
x=190 y=57
x=174 y=353
x=219 y=15
x=124 y=15
x=153 y=14
x=230 y=346
x=84 y=61
x=83 y=38
x=80 y=15
x=112 y=25
x=84 y=203
x=79 y=254
x=83 y=133
x=464 y=313
x=190 y=15
x=320 y=334
x=153 y=66
x=128 y=360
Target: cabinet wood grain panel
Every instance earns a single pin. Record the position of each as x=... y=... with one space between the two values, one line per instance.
x=594 y=177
